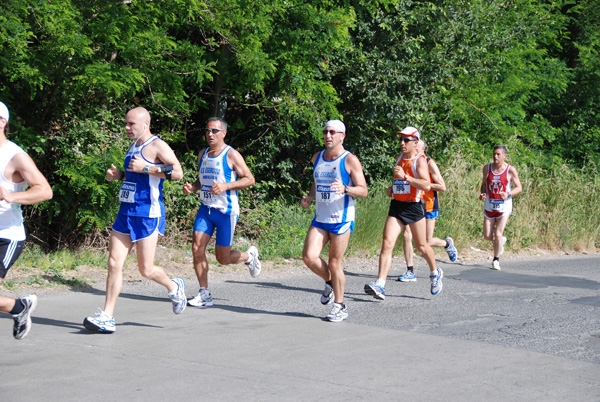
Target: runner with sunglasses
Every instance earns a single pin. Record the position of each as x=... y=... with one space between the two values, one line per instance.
x=338 y=179
x=222 y=172
x=411 y=180
x=432 y=213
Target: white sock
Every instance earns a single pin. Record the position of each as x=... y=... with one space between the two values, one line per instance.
x=380 y=282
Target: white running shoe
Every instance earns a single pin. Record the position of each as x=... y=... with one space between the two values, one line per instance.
x=100 y=322
x=204 y=299
x=375 y=290
x=436 y=281
x=178 y=296
x=338 y=313
x=22 y=323
x=254 y=263
x=409 y=276
x=496 y=265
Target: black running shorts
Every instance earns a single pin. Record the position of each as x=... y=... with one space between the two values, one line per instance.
x=10 y=250
x=407 y=212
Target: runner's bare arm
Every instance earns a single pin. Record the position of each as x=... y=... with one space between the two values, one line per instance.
x=438 y=183
x=24 y=168
x=359 y=189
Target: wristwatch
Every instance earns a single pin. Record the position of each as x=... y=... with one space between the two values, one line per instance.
x=147 y=169
x=346 y=189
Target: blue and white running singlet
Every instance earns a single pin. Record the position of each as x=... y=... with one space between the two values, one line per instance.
x=332 y=207
x=141 y=193
x=216 y=168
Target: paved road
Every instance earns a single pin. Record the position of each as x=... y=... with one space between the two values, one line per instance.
x=529 y=332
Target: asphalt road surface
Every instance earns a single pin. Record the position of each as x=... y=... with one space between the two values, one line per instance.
x=528 y=332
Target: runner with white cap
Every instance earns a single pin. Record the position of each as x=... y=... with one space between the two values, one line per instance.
x=338 y=179
x=432 y=213
x=411 y=180
x=17 y=172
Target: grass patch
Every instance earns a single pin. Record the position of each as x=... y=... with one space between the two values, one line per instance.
x=557 y=210
x=36 y=268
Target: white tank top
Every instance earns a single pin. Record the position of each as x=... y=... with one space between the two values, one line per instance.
x=216 y=168
x=332 y=207
x=11 y=218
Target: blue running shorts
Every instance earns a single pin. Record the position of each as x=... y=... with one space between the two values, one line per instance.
x=335 y=228
x=432 y=215
x=138 y=227
x=209 y=219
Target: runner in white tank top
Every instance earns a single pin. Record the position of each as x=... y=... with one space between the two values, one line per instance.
x=330 y=206
x=222 y=172
x=216 y=168
x=338 y=179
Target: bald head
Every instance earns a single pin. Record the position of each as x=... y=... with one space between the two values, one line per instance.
x=137 y=123
x=140 y=114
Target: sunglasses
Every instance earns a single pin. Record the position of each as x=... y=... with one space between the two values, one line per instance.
x=407 y=140
x=332 y=132
x=213 y=130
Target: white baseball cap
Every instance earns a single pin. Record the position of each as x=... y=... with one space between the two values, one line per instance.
x=336 y=124
x=4 y=111
x=410 y=132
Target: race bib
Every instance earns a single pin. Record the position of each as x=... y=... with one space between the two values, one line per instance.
x=401 y=187
x=325 y=194
x=205 y=194
x=127 y=193
x=497 y=205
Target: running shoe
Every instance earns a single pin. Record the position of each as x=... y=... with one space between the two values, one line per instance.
x=338 y=313
x=376 y=291
x=254 y=263
x=178 y=296
x=436 y=281
x=502 y=246
x=496 y=265
x=100 y=322
x=204 y=299
x=409 y=276
x=23 y=319
x=451 y=250
x=327 y=295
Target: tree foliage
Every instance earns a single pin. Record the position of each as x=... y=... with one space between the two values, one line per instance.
x=469 y=74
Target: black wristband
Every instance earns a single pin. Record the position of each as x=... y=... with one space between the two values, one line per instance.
x=167 y=170
x=122 y=174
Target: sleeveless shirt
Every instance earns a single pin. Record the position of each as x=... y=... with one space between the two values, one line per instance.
x=332 y=207
x=11 y=218
x=431 y=197
x=217 y=168
x=403 y=191
x=495 y=184
x=141 y=194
